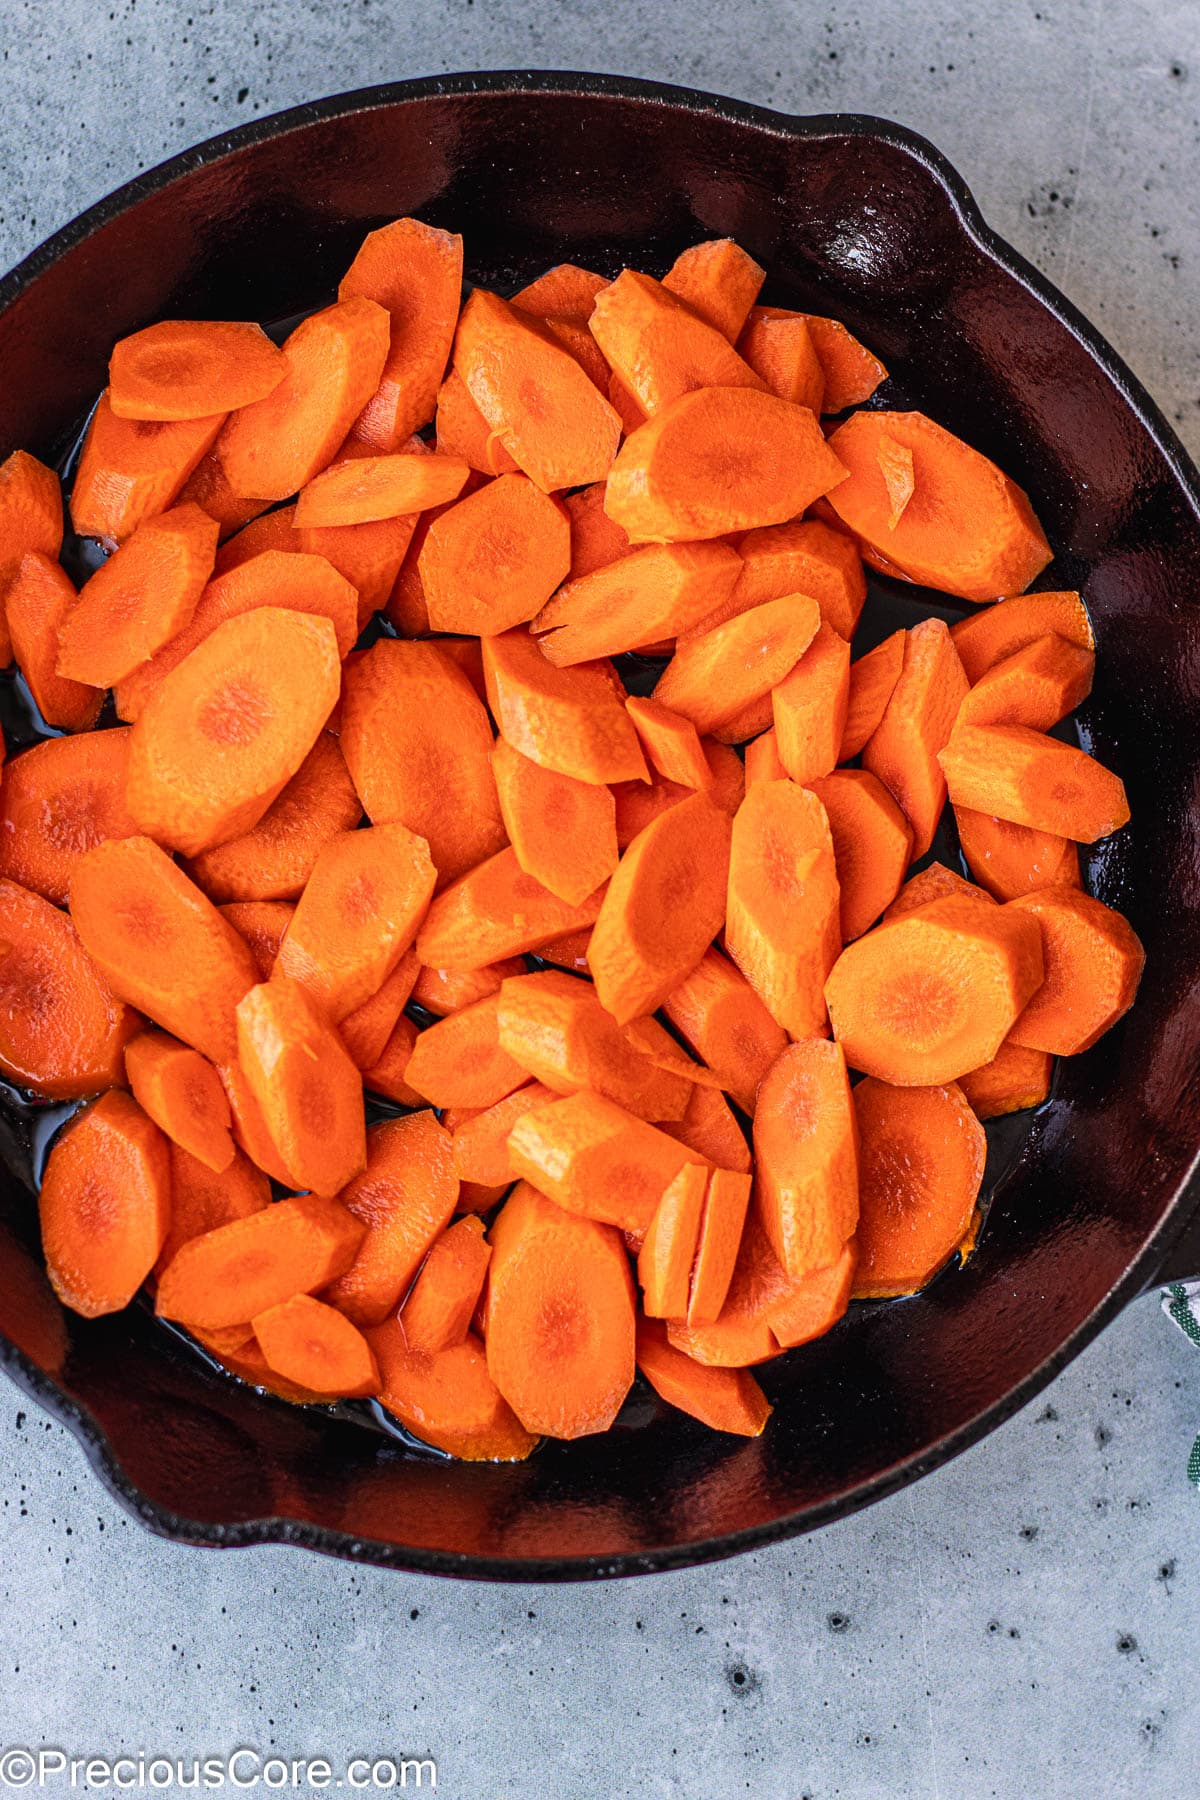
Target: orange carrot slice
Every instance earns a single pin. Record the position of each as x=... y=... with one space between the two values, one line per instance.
x=208 y=488
x=929 y=995
x=570 y=720
x=640 y=802
x=362 y=489
x=58 y=800
x=658 y=592
x=778 y=346
x=414 y=270
x=104 y=1206
x=666 y=1257
x=130 y=469
x=225 y=732
x=405 y=1198
x=546 y=412
x=262 y=924
x=1036 y=686
x=763 y=762
x=481 y=1140
x=988 y=637
x=563 y=832
x=715 y=674
x=934 y=882
x=306 y=1087
x=62 y=1030
x=239 y=1270
x=719 y=460
x=658 y=347
x=202 y=1199
x=139 y=598
x=192 y=368
x=1032 y=780
x=31 y=511
x=565 y=291
x=160 y=943
x=460 y=1061
x=904 y=750
x=1093 y=960
x=443 y=991
x=1015 y=1079
x=417 y=742
x=316 y=1347
x=595 y=1158
x=662 y=908
x=596 y=540
x=560 y=1317
x=723 y=1399
x=181 y=1091
x=765 y=1309
x=387 y=1076
x=671 y=742
x=494 y=911
x=719 y=281
x=725 y=1203
x=873 y=679
x=852 y=372
x=463 y=431
x=872 y=845
x=805 y=556
x=37 y=600
x=921 y=1160
x=781 y=927
x=448 y=1399
x=439 y=1310
x=809 y=708
x=1011 y=860
x=719 y=1014
x=967 y=529
x=709 y=1130
x=491 y=561
x=365 y=1032
x=806 y=1156
x=555 y=1028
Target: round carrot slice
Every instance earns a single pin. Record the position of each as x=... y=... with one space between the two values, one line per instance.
x=61 y=798
x=190 y=368
x=921 y=1160
x=104 y=1206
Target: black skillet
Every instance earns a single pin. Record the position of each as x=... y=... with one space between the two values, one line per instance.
x=851 y=216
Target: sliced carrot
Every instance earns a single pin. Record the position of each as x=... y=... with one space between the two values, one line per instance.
x=481 y=1140
x=596 y=540
x=935 y=992
x=192 y=368
x=779 y=348
x=763 y=760
x=460 y=1061
x=723 y=1399
x=335 y=358
x=719 y=281
x=872 y=845
x=555 y=1028
x=726 y=1201
x=567 y=952
x=224 y=733
x=415 y=271
x=564 y=291
x=665 y=1259
x=405 y=605
x=565 y=719
x=662 y=908
x=764 y=1309
x=317 y=1347
x=362 y=489
x=719 y=460
x=809 y=708
x=631 y=414
x=308 y=1090
x=1093 y=960
x=1015 y=1079
x=358 y=914
x=725 y=1022
x=130 y=469
x=495 y=911
x=716 y=674
x=417 y=742
x=369 y=556
x=806 y=1156
x=443 y=991
x=1011 y=860
x=491 y=561
x=463 y=431
x=59 y=799
x=560 y=1317
x=852 y=373
x=1036 y=686
x=63 y=1029
x=448 y=1399
x=36 y=602
x=967 y=529
x=202 y=1199
x=208 y=488
x=439 y=1310
x=233 y=1273
x=366 y=1031
x=658 y=592
x=181 y=1091
x=272 y=530
x=807 y=1308
x=104 y=1205
x=534 y=395
x=658 y=347
x=387 y=1076
x=782 y=918
x=896 y=466
x=563 y=831
x=1029 y=779
x=921 y=1160
x=639 y=802
x=405 y=1198
x=466 y=653
x=595 y=1158
x=574 y=336
x=988 y=637
x=671 y=742
x=276 y=857
x=136 y=601
x=805 y=556
x=262 y=923
x=873 y=679
x=934 y=882
x=250 y=1132
x=160 y=943
x=31 y=511
x=905 y=748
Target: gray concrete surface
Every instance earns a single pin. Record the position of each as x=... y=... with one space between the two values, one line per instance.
x=1023 y=1623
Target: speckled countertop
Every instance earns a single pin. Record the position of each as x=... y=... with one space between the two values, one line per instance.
x=1025 y=1622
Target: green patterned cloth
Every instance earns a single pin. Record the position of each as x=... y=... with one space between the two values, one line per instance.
x=1181 y=1302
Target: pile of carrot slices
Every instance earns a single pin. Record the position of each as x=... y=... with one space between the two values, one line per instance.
x=338 y=792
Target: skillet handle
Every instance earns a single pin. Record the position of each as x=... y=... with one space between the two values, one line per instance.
x=1181 y=1260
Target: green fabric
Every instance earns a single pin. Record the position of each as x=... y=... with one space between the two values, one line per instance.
x=1181 y=1302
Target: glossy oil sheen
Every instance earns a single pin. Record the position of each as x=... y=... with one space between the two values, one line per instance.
x=851 y=217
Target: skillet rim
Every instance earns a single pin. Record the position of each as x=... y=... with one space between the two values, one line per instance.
x=1140 y=1273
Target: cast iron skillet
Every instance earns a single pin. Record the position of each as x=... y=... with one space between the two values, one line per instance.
x=852 y=216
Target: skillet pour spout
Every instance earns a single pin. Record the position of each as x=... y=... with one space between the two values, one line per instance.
x=850 y=216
